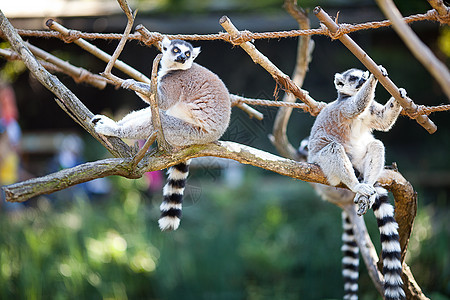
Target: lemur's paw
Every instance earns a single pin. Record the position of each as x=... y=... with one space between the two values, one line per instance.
x=104 y=125
x=364 y=189
x=402 y=92
x=126 y=84
x=383 y=71
x=364 y=203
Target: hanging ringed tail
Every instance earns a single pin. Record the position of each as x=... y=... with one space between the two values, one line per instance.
x=350 y=259
x=390 y=246
x=173 y=196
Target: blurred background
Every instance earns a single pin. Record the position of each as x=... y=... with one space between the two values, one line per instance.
x=246 y=233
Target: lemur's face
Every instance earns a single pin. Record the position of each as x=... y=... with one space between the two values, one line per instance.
x=350 y=81
x=177 y=54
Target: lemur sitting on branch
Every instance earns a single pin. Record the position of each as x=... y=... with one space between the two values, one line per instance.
x=194 y=108
x=342 y=144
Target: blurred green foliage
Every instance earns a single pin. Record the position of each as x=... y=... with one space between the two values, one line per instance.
x=271 y=238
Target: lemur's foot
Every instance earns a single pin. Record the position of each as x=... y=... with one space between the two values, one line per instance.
x=383 y=70
x=365 y=197
x=104 y=125
x=126 y=84
x=364 y=203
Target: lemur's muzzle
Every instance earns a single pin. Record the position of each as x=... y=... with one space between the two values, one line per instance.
x=181 y=58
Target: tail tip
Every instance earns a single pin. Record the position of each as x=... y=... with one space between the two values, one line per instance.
x=169 y=223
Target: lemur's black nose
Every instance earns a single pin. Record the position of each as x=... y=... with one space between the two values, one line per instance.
x=181 y=58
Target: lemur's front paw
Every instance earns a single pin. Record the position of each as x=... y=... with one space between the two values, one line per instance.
x=364 y=189
x=104 y=125
x=383 y=71
x=126 y=84
x=402 y=92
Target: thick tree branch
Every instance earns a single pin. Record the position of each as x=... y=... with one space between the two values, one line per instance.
x=61 y=180
x=412 y=289
x=161 y=160
x=365 y=59
x=156 y=161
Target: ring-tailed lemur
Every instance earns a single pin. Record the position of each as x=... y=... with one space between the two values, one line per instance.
x=341 y=142
x=194 y=108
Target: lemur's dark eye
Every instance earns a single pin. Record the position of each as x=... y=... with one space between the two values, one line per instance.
x=188 y=53
x=353 y=78
x=175 y=50
x=340 y=83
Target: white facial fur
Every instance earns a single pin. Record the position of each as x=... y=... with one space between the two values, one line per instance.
x=177 y=55
x=350 y=81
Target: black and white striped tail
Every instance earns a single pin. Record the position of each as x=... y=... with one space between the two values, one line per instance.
x=173 y=196
x=390 y=246
x=350 y=259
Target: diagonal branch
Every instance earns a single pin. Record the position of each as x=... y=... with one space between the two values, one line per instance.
x=79 y=112
x=422 y=53
x=304 y=50
x=276 y=73
x=77 y=73
x=97 y=52
x=442 y=10
x=365 y=59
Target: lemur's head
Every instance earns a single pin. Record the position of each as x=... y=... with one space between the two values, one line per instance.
x=350 y=81
x=177 y=54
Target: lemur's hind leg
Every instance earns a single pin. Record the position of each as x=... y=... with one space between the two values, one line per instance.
x=374 y=162
x=372 y=168
x=337 y=168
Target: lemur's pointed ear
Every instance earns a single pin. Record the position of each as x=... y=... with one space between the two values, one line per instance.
x=195 y=52
x=165 y=43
